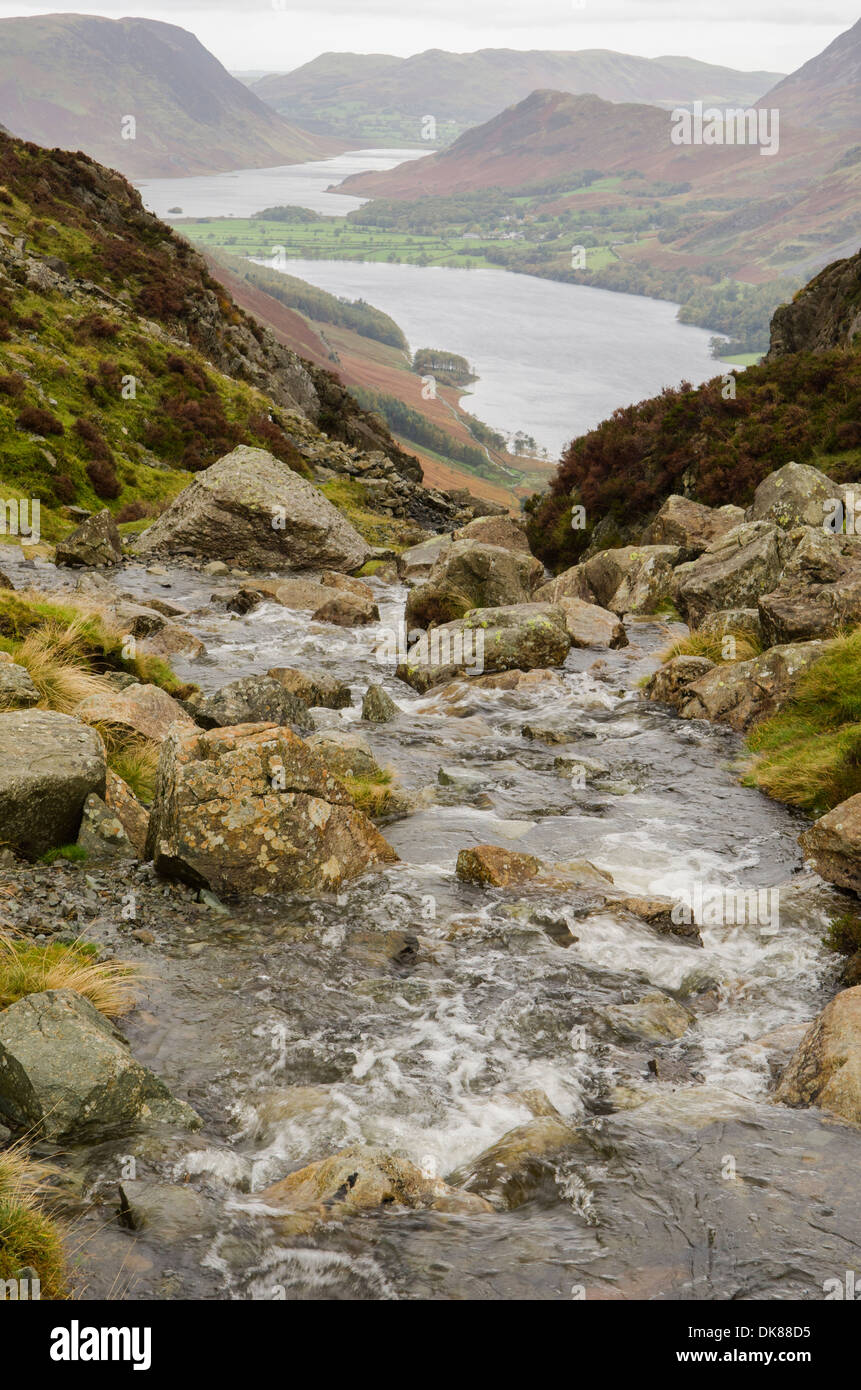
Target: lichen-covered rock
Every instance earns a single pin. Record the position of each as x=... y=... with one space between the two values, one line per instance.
x=690 y=525
x=733 y=571
x=347 y=610
x=670 y=682
x=361 y=1179
x=819 y=593
x=102 y=833
x=833 y=844
x=134 y=818
x=315 y=688
x=740 y=693
x=345 y=753
x=251 y=700
x=254 y=809
x=493 y=866
x=66 y=1073
x=250 y=509
x=522 y=636
x=472 y=575
x=96 y=542
x=377 y=706
x=795 y=495
x=633 y=579
x=826 y=1069
x=49 y=765
x=145 y=709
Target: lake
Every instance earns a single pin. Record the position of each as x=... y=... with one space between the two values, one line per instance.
x=552 y=359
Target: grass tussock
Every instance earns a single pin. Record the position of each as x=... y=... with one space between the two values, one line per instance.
x=69 y=648
x=844 y=934
x=29 y=1238
x=135 y=760
x=809 y=753
x=372 y=795
x=28 y=968
x=739 y=644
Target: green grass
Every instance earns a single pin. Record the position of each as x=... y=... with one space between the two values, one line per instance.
x=73 y=854
x=28 y=968
x=28 y=1236
x=809 y=753
x=844 y=934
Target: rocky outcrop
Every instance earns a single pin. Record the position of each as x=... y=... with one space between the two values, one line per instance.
x=819 y=593
x=522 y=636
x=741 y=693
x=347 y=610
x=670 y=682
x=470 y=575
x=826 y=1069
x=95 y=543
x=417 y=562
x=253 y=809
x=833 y=844
x=825 y=314
x=690 y=525
x=66 y=1073
x=495 y=530
x=631 y=579
x=49 y=765
x=732 y=572
x=250 y=509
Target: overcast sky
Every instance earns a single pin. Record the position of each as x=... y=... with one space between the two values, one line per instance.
x=276 y=35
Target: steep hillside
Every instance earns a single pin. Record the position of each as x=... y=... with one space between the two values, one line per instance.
x=825 y=314
x=124 y=365
x=374 y=93
x=715 y=445
x=75 y=81
x=826 y=91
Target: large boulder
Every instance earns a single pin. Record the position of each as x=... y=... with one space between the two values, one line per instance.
x=591 y=626
x=472 y=575
x=250 y=509
x=571 y=583
x=670 y=682
x=251 y=700
x=741 y=693
x=795 y=495
x=520 y=636
x=494 y=866
x=633 y=579
x=315 y=688
x=346 y=610
x=495 y=530
x=733 y=571
x=96 y=542
x=66 y=1073
x=833 y=844
x=819 y=592
x=49 y=765
x=345 y=753
x=361 y=1179
x=417 y=562
x=826 y=1069
x=690 y=525
x=253 y=809
x=144 y=709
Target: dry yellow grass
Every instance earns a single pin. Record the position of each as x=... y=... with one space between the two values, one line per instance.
x=28 y=1237
x=26 y=968
x=716 y=647
x=62 y=679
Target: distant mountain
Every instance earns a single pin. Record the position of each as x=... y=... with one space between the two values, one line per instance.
x=74 y=81
x=826 y=92
x=349 y=93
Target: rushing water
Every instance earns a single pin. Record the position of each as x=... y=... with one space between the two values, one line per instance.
x=300 y=1025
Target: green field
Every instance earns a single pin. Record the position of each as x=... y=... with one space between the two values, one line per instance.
x=334 y=238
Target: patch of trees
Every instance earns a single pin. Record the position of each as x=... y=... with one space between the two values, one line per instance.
x=322 y=307
x=405 y=421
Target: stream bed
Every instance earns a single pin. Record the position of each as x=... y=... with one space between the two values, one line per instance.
x=426 y=1015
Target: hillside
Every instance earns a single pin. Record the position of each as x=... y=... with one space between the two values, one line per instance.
x=376 y=94
x=124 y=366
x=73 y=81
x=803 y=404
x=826 y=91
